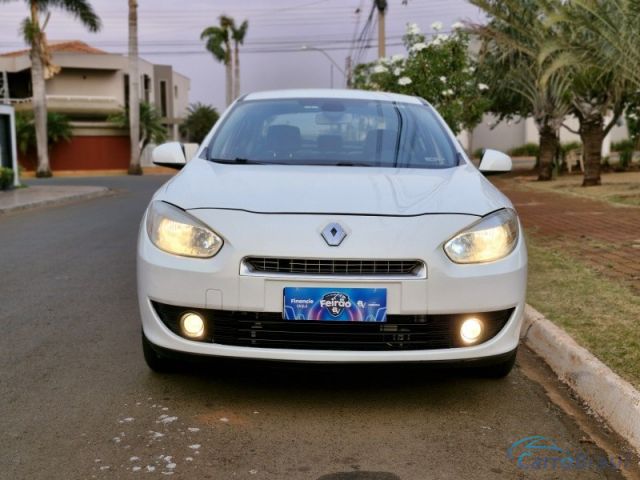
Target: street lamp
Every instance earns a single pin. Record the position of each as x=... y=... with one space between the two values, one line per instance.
x=307 y=48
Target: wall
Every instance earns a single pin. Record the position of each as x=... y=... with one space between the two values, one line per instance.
x=181 y=101
x=510 y=134
x=87 y=82
x=85 y=153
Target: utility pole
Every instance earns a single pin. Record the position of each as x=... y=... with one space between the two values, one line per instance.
x=381 y=5
x=347 y=68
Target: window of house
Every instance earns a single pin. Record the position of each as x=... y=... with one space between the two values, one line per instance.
x=163 y=98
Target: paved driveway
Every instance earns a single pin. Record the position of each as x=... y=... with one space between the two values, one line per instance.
x=78 y=401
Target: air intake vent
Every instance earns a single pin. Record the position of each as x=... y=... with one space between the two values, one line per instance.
x=305 y=266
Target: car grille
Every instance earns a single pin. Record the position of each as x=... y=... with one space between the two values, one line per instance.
x=308 y=266
x=399 y=332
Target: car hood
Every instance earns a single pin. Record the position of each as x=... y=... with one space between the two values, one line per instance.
x=333 y=190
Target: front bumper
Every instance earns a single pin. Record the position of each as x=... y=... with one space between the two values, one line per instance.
x=217 y=283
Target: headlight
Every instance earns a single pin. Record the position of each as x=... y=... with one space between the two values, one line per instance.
x=491 y=238
x=174 y=231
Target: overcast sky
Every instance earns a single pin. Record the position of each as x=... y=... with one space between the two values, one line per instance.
x=169 y=33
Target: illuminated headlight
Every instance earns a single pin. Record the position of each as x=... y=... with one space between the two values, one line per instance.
x=175 y=231
x=491 y=238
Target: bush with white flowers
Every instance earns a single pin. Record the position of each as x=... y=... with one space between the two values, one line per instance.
x=437 y=67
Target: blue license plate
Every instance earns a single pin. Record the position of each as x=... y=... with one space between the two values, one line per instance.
x=335 y=304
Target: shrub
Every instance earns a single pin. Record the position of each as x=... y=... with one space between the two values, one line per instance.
x=6 y=178
x=526 y=150
x=478 y=152
x=625 y=159
x=623 y=145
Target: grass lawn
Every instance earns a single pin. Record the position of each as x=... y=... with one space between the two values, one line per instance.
x=621 y=188
x=599 y=313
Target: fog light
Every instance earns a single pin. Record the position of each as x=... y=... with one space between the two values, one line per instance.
x=471 y=330
x=192 y=325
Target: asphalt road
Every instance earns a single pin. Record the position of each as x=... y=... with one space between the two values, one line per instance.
x=78 y=402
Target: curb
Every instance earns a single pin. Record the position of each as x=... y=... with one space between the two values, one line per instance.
x=98 y=192
x=608 y=395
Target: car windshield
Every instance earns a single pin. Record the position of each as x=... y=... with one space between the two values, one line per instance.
x=333 y=132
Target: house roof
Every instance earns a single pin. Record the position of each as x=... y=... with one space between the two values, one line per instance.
x=63 y=46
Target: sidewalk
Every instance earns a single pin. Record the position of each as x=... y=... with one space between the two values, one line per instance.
x=45 y=195
x=605 y=236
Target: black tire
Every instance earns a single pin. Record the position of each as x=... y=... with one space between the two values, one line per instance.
x=499 y=369
x=155 y=361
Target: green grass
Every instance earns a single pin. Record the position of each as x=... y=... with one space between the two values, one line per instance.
x=600 y=314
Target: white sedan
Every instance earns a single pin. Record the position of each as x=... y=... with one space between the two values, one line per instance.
x=331 y=226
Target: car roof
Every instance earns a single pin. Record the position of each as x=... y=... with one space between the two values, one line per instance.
x=334 y=93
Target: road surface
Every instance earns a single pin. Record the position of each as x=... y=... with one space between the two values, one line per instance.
x=78 y=401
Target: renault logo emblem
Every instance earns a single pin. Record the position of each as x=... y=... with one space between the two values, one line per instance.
x=333 y=234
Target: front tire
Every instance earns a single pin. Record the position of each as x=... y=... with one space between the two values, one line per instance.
x=155 y=361
x=499 y=369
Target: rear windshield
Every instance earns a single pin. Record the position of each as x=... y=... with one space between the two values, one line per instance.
x=333 y=132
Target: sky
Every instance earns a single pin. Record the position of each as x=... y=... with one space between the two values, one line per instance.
x=272 y=56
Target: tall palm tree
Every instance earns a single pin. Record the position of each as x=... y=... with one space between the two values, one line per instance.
x=33 y=29
x=514 y=39
x=218 y=42
x=134 y=91
x=238 y=35
x=600 y=85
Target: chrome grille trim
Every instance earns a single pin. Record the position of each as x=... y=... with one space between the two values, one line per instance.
x=328 y=267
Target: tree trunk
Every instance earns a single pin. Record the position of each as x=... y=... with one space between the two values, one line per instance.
x=548 y=145
x=39 y=98
x=229 y=85
x=236 y=66
x=134 y=91
x=592 y=136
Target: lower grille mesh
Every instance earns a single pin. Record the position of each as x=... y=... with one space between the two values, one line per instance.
x=269 y=330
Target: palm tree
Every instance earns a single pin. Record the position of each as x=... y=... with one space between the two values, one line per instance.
x=238 y=35
x=151 y=127
x=134 y=91
x=200 y=119
x=599 y=84
x=219 y=44
x=33 y=29
x=513 y=42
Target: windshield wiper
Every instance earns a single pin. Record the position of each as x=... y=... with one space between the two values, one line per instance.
x=240 y=161
x=352 y=164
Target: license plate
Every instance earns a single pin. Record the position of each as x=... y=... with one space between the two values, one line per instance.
x=335 y=304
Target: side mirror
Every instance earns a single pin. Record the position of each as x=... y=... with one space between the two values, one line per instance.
x=169 y=155
x=494 y=162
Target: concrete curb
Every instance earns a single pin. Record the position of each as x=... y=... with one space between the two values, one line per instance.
x=608 y=395
x=59 y=200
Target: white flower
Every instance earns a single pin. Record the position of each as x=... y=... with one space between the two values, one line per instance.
x=471 y=69
x=438 y=39
x=416 y=47
x=404 y=81
x=413 y=29
x=443 y=79
x=483 y=86
x=398 y=57
x=437 y=26
x=379 y=69
x=447 y=93
x=397 y=71
x=457 y=25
